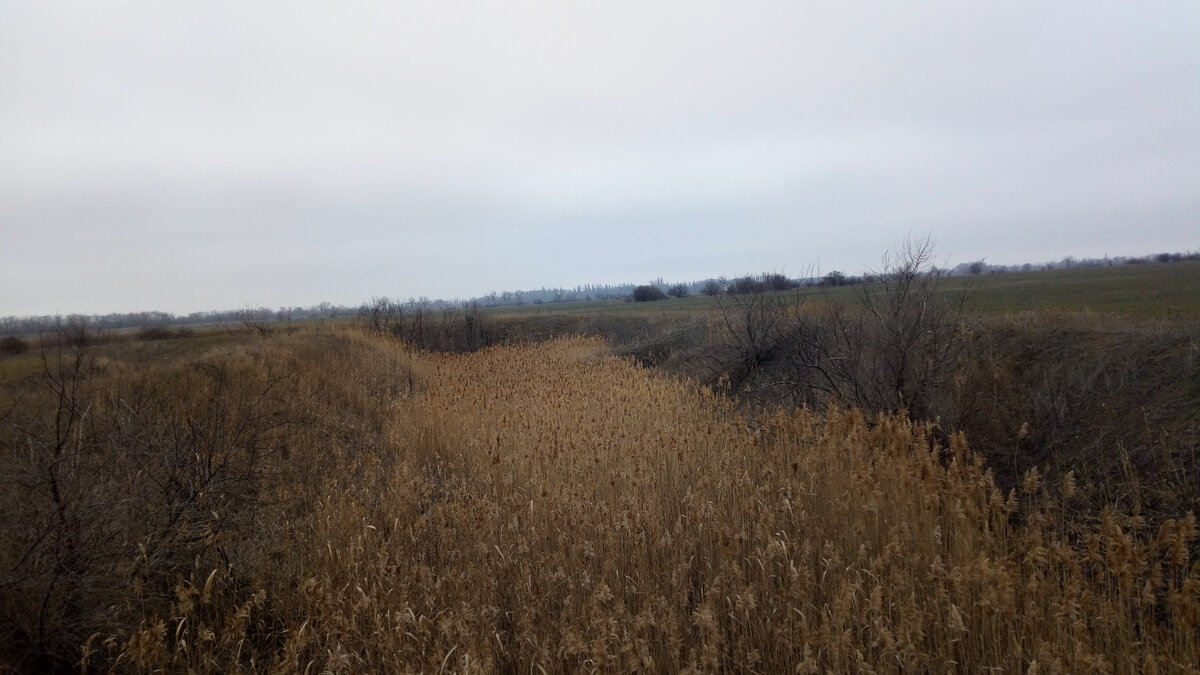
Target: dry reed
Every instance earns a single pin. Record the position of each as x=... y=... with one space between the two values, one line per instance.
x=552 y=508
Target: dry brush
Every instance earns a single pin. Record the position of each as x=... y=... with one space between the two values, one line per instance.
x=553 y=507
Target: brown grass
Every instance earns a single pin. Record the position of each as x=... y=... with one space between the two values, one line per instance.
x=552 y=508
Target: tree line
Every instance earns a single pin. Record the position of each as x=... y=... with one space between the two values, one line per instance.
x=655 y=290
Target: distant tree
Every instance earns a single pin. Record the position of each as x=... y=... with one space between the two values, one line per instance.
x=13 y=345
x=648 y=293
x=744 y=285
x=835 y=278
x=380 y=315
x=774 y=281
x=678 y=291
x=257 y=320
x=976 y=268
x=712 y=287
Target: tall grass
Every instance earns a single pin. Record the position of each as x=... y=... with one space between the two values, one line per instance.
x=552 y=508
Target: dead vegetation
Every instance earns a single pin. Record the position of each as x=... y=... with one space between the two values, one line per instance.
x=1112 y=398
x=331 y=501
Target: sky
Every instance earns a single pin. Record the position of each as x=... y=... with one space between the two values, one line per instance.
x=187 y=157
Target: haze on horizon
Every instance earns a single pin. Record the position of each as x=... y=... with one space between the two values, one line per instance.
x=181 y=158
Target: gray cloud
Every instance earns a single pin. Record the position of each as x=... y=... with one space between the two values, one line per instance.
x=217 y=155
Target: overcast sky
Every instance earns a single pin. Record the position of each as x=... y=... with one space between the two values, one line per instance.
x=213 y=155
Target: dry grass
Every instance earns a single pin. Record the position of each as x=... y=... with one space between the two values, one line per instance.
x=552 y=508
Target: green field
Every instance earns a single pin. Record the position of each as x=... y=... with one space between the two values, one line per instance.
x=1159 y=290
x=1167 y=290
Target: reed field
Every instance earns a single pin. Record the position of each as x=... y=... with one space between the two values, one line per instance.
x=333 y=501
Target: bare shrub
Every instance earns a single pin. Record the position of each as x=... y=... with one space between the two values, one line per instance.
x=457 y=330
x=834 y=278
x=112 y=482
x=48 y=459
x=464 y=330
x=762 y=330
x=258 y=320
x=381 y=315
x=901 y=346
x=776 y=281
x=897 y=348
x=745 y=285
x=13 y=345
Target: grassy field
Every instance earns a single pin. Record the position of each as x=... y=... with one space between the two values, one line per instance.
x=1151 y=290
x=1160 y=291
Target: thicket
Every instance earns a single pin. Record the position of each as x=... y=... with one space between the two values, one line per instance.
x=894 y=350
x=450 y=330
x=335 y=502
x=121 y=479
x=769 y=281
x=647 y=293
x=1112 y=399
x=13 y=345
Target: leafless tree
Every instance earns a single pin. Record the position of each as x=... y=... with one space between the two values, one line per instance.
x=899 y=348
x=380 y=315
x=257 y=320
x=772 y=348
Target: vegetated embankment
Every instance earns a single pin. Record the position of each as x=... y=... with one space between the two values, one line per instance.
x=553 y=507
